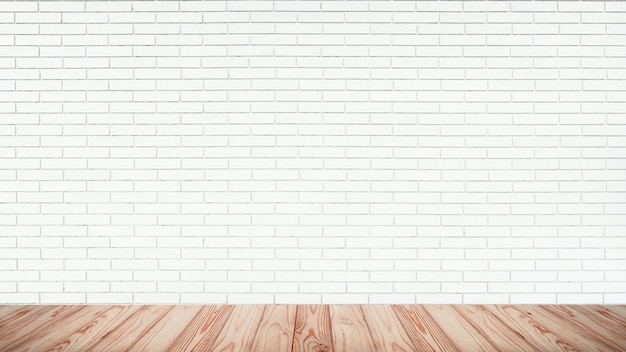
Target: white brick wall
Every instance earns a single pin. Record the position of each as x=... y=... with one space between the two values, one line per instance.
x=313 y=152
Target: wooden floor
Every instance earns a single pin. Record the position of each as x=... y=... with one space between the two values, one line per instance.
x=313 y=328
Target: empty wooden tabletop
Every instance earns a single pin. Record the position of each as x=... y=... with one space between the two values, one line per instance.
x=315 y=328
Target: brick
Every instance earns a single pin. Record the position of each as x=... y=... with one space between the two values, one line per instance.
x=263 y=152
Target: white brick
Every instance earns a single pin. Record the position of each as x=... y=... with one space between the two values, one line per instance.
x=265 y=148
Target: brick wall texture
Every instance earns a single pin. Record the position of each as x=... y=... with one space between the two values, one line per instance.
x=313 y=152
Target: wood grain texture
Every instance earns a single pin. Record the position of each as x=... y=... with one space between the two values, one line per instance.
x=94 y=330
x=201 y=333
x=589 y=327
x=165 y=332
x=124 y=335
x=240 y=330
x=536 y=334
x=16 y=320
x=494 y=328
x=621 y=310
x=461 y=332
x=604 y=315
x=350 y=331
x=13 y=334
x=313 y=328
x=8 y=310
x=425 y=333
x=563 y=328
x=386 y=329
x=36 y=341
x=275 y=332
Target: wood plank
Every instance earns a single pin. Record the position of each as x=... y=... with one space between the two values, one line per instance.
x=562 y=328
x=604 y=315
x=619 y=310
x=201 y=333
x=125 y=334
x=275 y=332
x=386 y=329
x=40 y=339
x=165 y=332
x=588 y=326
x=489 y=325
x=313 y=331
x=350 y=332
x=425 y=333
x=537 y=334
x=13 y=334
x=313 y=328
x=9 y=309
x=95 y=329
x=459 y=330
x=20 y=316
x=240 y=329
